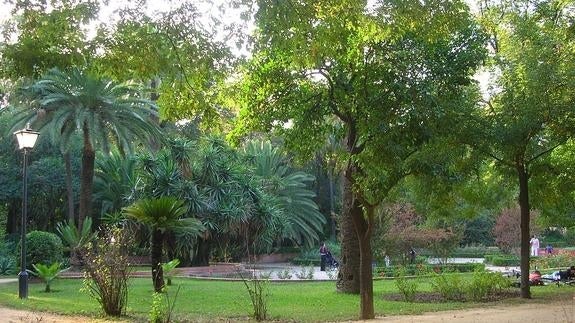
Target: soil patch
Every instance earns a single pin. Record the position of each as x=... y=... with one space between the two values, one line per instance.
x=433 y=297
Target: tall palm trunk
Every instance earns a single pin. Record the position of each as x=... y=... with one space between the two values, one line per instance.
x=69 y=187
x=157 y=272
x=86 y=178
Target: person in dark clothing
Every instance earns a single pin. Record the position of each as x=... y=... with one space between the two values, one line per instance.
x=323 y=253
x=411 y=256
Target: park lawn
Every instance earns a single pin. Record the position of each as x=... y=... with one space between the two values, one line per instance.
x=200 y=300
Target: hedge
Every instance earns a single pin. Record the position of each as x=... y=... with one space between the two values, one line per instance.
x=502 y=260
x=420 y=269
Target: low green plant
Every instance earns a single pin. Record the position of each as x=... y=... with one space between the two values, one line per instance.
x=47 y=273
x=285 y=273
x=107 y=271
x=406 y=286
x=562 y=260
x=449 y=286
x=483 y=284
x=305 y=272
x=332 y=272
x=502 y=260
x=266 y=274
x=168 y=269
x=258 y=291
x=7 y=265
x=162 y=308
x=43 y=247
x=76 y=240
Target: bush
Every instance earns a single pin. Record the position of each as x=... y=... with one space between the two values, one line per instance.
x=554 y=261
x=107 y=271
x=7 y=265
x=419 y=269
x=449 y=286
x=484 y=284
x=407 y=287
x=43 y=248
x=477 y=251
x=502 y=260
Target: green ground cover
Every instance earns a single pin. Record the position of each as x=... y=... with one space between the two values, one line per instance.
x=204 y=300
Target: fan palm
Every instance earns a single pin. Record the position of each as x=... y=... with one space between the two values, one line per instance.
x=302 y=219
x=162 y=215
x=103 y=111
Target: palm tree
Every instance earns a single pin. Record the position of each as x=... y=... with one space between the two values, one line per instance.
x=103 y=111
x=162 y=215
x=302 y=219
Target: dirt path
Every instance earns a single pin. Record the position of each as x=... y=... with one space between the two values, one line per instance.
x=524 y=313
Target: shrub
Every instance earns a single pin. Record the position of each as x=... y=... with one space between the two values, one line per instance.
x=43 y=248
x=258 y=291
x=107 y=271
x=421 y=269
x=475 y=251
x=554 y=261
x=285 y=274
x=502 y=260
x=168 y=269
x=483 y=284
x=163 y=305
x=47 y=273
x=407 y=287
x=305 y=273
x=7 y=265
x=449 y=286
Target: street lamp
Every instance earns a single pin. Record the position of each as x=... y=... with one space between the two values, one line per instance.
x=26 y=140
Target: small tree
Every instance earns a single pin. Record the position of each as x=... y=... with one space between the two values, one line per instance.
x=168 y=269
x=107 y=271
x=507 y=230
x=161 y=215
x=47 y=273
x=76 y=240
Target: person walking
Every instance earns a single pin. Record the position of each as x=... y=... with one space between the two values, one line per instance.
x=534 y=242
x=323 y=252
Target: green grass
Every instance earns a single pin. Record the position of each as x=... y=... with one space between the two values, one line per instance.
x=204 y=300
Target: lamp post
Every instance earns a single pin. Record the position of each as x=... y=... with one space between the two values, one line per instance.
x=26 y=140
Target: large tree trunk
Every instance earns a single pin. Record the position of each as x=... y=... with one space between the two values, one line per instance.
x=524 y=209
x=332 y=217
x=348 y=278
x=157 y=272
x=69 y=187
x=363 y=226
x=87 y=178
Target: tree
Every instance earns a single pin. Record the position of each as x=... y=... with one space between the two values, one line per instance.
x=530 y=110
x=62 y=103
x=303 y=220
x=162 y=215
x=47 y=36
x=182 y=61
x=507 y=230
x=390 y=74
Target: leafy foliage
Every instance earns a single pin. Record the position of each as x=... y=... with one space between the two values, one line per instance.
x=168 y=269
x=107 y=271
x=507 y=230
x=162 y=215
x=43 y=248
x=290 y=188
x=47 y=273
